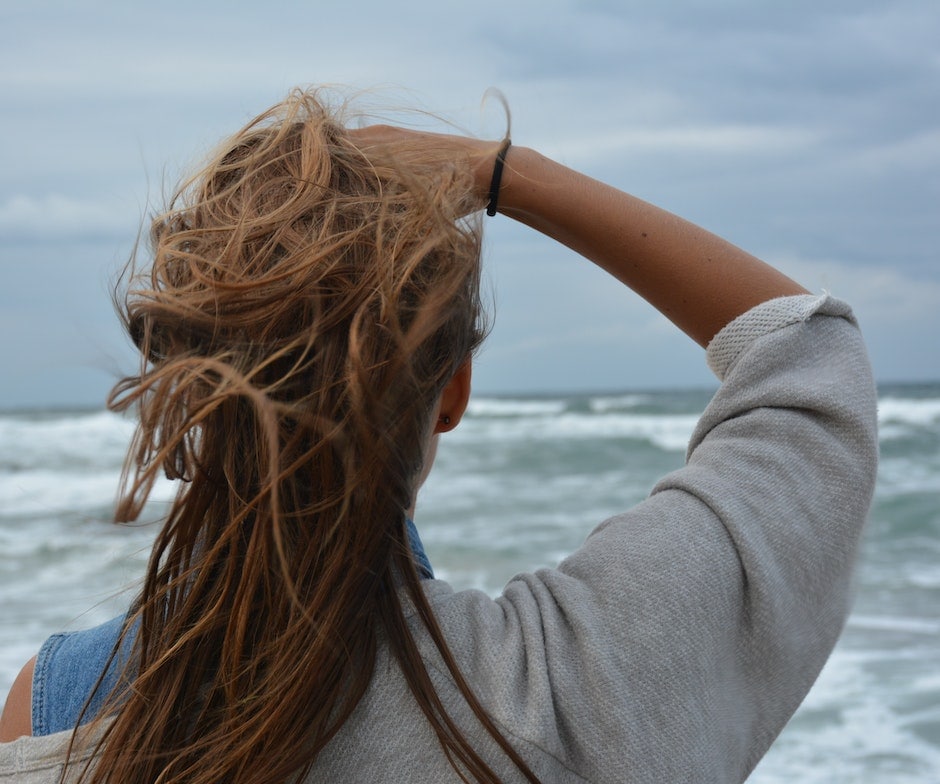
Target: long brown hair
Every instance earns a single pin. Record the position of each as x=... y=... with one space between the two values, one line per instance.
x=305 y=306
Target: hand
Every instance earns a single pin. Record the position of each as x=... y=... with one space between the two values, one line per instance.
x=698 y=280
x=447 y=149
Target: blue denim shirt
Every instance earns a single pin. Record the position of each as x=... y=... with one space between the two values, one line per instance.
x=69 y=664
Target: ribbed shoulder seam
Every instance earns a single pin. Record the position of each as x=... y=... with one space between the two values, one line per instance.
x=765 y=318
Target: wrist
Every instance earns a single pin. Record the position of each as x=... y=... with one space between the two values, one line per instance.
x=492 y=199
x=522 y=176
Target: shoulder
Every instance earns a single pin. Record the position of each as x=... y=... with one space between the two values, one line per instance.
x=16 y=720
x=63 y=682
x=75 y=672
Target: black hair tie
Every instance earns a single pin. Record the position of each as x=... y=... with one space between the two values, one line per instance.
x=497 y=177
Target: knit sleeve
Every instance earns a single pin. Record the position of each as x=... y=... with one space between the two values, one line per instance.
x=676 y=643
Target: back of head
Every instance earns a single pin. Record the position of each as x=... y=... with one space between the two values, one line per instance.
x=305 y=305
x=318 y=286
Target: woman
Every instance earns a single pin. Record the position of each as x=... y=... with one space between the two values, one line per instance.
x=306 y=330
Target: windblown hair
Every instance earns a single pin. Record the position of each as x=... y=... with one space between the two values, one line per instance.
x=306 y=304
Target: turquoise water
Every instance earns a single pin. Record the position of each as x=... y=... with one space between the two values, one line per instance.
x=517 y=486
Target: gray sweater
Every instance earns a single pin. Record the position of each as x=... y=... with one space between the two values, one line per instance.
x=678 y=640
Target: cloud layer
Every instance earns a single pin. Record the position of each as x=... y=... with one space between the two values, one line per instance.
x=808 y=133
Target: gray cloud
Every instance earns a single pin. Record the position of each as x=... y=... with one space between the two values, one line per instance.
x=805 y=132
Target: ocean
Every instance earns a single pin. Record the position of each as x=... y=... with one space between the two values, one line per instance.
x=517 y=486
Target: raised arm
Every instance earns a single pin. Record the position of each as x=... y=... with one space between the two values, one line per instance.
x=698 y=280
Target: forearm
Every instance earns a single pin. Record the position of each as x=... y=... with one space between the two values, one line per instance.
x=698 y=280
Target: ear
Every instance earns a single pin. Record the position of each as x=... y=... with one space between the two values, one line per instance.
x=454 y=399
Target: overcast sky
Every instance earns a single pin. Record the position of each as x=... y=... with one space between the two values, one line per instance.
x=806 y=132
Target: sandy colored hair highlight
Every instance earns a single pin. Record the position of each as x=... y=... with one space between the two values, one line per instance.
x=305 y=306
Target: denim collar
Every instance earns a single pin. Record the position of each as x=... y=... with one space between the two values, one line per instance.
x=425 y=572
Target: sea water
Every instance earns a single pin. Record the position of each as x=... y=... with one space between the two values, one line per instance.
x=517 y=486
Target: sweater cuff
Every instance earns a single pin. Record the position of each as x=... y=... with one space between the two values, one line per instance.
x=735 y=337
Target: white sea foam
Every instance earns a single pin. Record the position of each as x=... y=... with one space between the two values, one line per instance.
x=908 y=411
x=51 y=492
x=903 y=475
x=667 y=432
x=602 y=405
x=46 y=492
x=94 y=439
x=895 y=624
x=851 y=730
x=925 y=577
x=519 y=484
x=508 y=407
x=670 y=432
